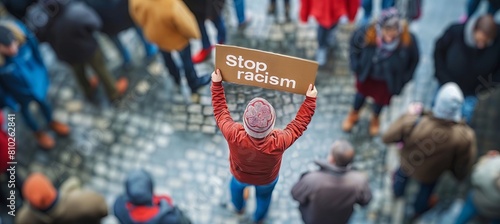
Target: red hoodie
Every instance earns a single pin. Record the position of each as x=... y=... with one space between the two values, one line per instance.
x=257 y=161
x=328 y=12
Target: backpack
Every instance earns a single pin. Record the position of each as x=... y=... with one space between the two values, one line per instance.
x=167 y=214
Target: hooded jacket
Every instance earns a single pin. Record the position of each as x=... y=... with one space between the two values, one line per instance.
x=329 y=194
x=257 y=161
x=328 y=12
x=140 y=205
x=114 y=14
x=456 y=60
x=167 y=23
x=486 y=194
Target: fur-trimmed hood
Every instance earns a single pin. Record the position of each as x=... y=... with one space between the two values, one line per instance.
x=371 y=35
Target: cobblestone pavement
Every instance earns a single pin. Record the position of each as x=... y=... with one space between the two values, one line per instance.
x=157 y=127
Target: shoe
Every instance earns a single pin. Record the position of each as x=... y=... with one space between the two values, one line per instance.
x=60 y=128
x=44 y=140
x=202 y=55
x=242 y=26
x=321 y=54
x=374 y=126
x=350 y=121
x=271 y=9
x=202 y=81
x=93 y=82
x=121 y=86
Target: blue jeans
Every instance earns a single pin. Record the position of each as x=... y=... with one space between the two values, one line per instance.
x=359 y=100
x=468 y=108
x=263 y=195
x=469 y=211
x=421 y=204
x=239 y=6
x=368 y=8
x=187 y=64
x=28 y=116
x=323 y=35
x=150 y=49
x=221 y=32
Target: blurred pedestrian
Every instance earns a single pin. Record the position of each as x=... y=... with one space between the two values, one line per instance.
x=484 y=198
x=469 y=55
x=328 y=14
x=433 y=143
x=368 y=8
x=271 y=9
x=6 y=151
x=255 y=147
x=69 y=204
x=140 y=205
x=473 y=5
x=170 y=25
x=70 y=32
x=211 y=10
x=17 y=8
x=329 y=194
x=115 y=18
x=383 y=57
x=24 y=79
x=243 y=21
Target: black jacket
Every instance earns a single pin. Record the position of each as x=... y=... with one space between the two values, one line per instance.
x=114 y=15
x=17 y=8
x=71 y=33
x=205 y=9
x=474 y=70
x=400 y=65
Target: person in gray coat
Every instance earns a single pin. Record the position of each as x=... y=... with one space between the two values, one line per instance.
x=484 y=198
x=329 y=194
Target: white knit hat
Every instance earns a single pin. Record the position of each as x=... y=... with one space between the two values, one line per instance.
x=449 y=101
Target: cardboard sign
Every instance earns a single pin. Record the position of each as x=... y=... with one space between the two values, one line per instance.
x=264 y=69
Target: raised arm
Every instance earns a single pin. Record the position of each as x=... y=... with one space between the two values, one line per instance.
x=296 y=128
x=221 y=113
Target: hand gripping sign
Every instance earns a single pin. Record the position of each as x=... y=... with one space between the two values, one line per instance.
x=264 y=69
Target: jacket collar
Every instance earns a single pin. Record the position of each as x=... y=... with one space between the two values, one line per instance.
x=324 y=165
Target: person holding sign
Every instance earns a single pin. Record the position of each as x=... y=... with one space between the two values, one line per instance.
x=383 y=56
x=255 y=147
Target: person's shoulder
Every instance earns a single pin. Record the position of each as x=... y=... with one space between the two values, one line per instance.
x=456 y=28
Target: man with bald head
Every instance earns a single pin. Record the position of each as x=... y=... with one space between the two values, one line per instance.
x=329 y=194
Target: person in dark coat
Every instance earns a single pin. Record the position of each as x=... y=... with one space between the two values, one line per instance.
x=329 y=194
x=140 y=205
x=116 y=18
x=383 y=56
x=469 y=55
x=17 y=8
x=24 y=79
x=70 y=32
x=203 y=10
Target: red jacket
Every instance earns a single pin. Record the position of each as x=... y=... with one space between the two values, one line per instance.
x=328 y=12
x=257 y=161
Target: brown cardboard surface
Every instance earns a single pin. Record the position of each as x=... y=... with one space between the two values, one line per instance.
x=265 y=69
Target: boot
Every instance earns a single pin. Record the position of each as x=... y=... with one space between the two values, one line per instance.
x=374 y=126
x=44 y=140
x=351 y=119
x=271 y=10
x=94 y=82
x=287 y=12
x=202 y=55
x=121 y=85
x=59 y=128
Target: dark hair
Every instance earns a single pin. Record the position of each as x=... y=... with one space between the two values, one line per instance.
x=487 y=25
x=342 y=152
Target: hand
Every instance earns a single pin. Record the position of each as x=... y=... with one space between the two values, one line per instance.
x=415 y=108
x=311 y=91
x=216 y=76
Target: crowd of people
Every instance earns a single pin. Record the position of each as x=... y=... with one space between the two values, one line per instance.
x=383 y=57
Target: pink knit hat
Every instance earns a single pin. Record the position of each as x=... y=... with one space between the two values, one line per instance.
x=259 y=118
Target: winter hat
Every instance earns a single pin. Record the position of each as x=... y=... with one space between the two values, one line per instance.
x=259 y=118
x=39 y=191
x=449 y=102
x=6 y=36
x=389 y=18
x=139 y=187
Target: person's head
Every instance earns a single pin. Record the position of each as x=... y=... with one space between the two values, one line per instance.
x=389 y=24
x=259 y=118
x=39 y=191
x=449 y=100
x=9 y=46
x=341 y=154
x=139 y=187
x=485 y=31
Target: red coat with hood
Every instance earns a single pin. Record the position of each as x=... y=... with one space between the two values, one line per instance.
x=328 y=12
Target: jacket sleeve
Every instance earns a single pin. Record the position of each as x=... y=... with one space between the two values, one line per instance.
x=352 y=9
x=440 y=51
x=465 y=158
x=221 y=113
x=296 y=128
x=396 y=131
x=414 y=59
x=301 y=190
x=355 y=49
x=305 y=7
x=365 y=194
x=185 y=21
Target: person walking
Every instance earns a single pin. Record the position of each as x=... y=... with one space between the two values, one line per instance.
x=271 y=9
x=329 y=194
x=255 y=147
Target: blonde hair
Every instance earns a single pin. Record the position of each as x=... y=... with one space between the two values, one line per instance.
x=18 y=35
